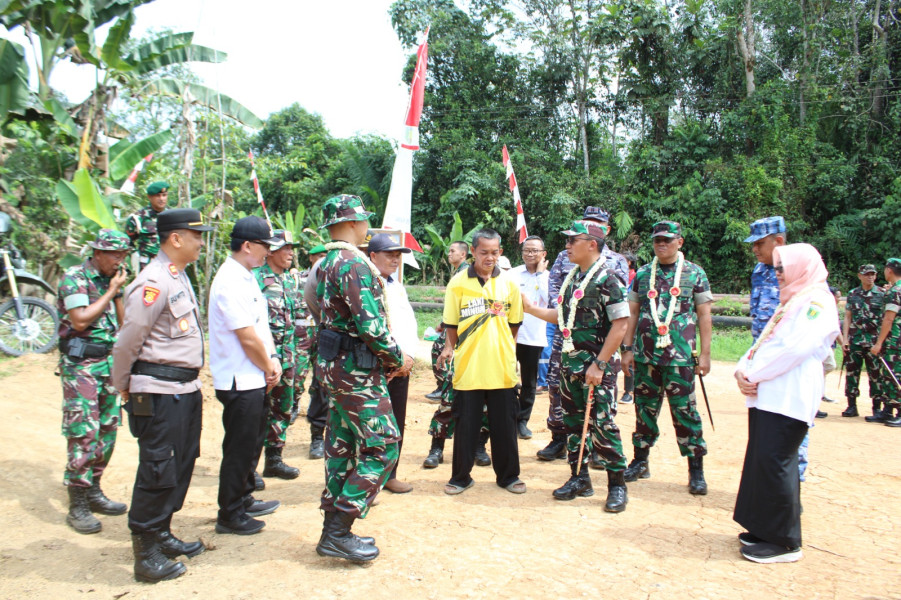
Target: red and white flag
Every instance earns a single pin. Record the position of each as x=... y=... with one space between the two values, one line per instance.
x=514 y=187
x=128 y=186
x=253 y=178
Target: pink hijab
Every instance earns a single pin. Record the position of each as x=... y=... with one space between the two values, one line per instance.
x=803 y=267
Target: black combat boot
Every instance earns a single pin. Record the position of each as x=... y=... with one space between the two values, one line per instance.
x=878 y=415
x=555 y=449
x=295 y=410
x=317 y=446
x=365 y=539
x=436 y=454
x=893 y=421
x=151 y=565
x=337 y=540
x=171 y=546
x=639 y=467
x=696 y=483
x=851 y=411
x=578 y=485
x=258 y=484
x=80 y=517
x=617 y=495
x=100 y=503
x=482 y=458
x=276 y=467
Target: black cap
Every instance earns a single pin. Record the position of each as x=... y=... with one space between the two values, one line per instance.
x=181 y=218
x=254 y=229
x=382 y=242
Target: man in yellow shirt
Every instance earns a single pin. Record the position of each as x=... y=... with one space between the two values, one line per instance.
x=482 y=313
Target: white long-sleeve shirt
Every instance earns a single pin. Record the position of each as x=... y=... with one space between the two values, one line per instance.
x=788 y=367
x=403 y=319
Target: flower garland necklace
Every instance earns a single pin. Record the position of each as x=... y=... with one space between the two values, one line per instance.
x=375 y=271
x=781 y=311
x=664 y=338
x=566 y=328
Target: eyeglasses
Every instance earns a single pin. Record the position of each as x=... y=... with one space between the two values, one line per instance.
x=574 y=238
x=664 y=240
x=530 y=252
x=260 y=242
x=779 y=269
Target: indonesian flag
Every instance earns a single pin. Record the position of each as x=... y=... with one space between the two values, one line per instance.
x=128 y=186
x=253 y=178
x=514 y=187
x=397 y=209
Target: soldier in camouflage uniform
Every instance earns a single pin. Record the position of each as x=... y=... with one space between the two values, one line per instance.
x=661 y=349
x=141 y=226
x=277 y=286
x=355 y=353
x=861 y=325
x=90 y=313
x=889 y=344
x=560 y=269
x=598 y=326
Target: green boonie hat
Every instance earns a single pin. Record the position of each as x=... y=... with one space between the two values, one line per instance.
x=894 y=263
x=284 y=239
x=344 y=208
x=107 y=239
x=864 y=269
x=591 y=228
x=157 y=187
x=668 y=229
x=320 y=249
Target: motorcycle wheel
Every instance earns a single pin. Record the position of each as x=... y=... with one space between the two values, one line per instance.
x=37 y=332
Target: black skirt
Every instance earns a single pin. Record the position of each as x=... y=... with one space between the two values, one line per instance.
x=769 y=496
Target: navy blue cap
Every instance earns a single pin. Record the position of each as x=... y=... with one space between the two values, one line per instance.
x=764 y=227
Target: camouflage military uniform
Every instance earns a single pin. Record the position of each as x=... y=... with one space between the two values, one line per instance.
x=764 y=297
x=604 y=301
x=668 y=370
x=362 y=435
x=891 y=348
x=141 y=228
x=277 y=290
x=91 y=411
x=304 y=332
x=866 y=317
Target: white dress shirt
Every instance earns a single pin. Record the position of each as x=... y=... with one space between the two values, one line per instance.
x=534 y=286
x=401 y=316
x=236 y=302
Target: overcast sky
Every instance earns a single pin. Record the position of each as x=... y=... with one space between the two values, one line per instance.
x=338 y=58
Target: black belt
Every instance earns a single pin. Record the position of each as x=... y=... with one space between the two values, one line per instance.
x=78 y=348
x=348 y=342
x=165 y=372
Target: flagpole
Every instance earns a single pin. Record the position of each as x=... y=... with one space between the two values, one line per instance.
x=256 y=187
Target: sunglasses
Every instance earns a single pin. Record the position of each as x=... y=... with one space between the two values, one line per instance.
x=779 y=269
x=574 y=238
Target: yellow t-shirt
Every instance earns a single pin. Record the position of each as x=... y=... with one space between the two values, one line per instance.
x=485 y=355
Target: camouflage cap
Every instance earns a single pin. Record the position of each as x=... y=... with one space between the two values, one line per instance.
x=596 y=213
x=344 y=208
x=764 y=227
x=320 y=249
x=667 y=229
x=107 y=239
x=284 y=239
x=894 y=263
x=591 y=228
x=864 y=269
x=157 y=187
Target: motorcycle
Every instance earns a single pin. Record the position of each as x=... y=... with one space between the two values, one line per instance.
x=27 y=324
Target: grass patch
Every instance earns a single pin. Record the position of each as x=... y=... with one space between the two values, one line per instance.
x=425 y=319
x=730 y=308
x=729 y=343
x=425 y=293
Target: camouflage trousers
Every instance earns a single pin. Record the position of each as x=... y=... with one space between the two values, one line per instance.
x=361 y=439
x=91 y=417
x=279 y=402
x=442 y=425
x=437 y=349
x=892 y=394
x=604 y=437
x=304 y=337
x=855 y=359
x=651 y=382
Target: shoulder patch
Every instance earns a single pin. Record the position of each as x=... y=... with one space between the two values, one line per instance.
x=150 y=295
x=814 y=310
x=173 y=270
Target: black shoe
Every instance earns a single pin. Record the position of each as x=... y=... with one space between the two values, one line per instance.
x=696 y=483
x=258 y=508
x=434 y=395
x=879 y=416
x=99 y=503
x=338 y=542
x=243 y=525
x=821 y=414
x=748 y=539
x=435 y=458
x=171 y=546
x=626 y=399
x=524 y=432
x=80 y=517
x=482 y=458
x=317 y=449
x=151 y=566
x=577 y=485
x=555 y=449
x=830 y=400
x=851 y=411
x=767 y=553
x=258 y=484
x=639 y=468
x=894 y=421
x=276 y=467
x=617 y=496
x=364 y=539
x=595 y=462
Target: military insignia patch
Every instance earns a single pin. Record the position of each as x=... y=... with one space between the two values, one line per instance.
x=183 y=324
x=814 y=311
x=150 y=295
x=173 y=270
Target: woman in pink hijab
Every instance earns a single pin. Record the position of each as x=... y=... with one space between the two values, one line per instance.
x=782 y=379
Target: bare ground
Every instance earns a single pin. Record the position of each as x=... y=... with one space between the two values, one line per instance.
x=484 y=543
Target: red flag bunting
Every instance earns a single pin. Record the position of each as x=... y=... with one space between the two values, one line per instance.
x=514 y=187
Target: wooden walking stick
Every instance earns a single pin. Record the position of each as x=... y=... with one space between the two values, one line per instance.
x=585 y=427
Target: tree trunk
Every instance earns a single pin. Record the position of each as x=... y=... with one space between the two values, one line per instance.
x=186 y=151
x=746 y=42
x=879 y=73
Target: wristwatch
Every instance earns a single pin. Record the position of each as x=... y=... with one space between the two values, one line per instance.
x=627 y=348
x=273 y=356
x=600 y=364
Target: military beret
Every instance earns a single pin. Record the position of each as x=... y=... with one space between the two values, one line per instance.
x=157 y=187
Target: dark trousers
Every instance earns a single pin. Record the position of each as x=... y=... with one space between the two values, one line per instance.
x=528 y=357
x=244 y=420
x=502 y=414
x=317 y=411
x=168 y=445
x=397 y=391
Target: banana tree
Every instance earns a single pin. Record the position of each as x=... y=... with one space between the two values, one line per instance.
x=304 y=228
x=14 y=94
x=435 y=266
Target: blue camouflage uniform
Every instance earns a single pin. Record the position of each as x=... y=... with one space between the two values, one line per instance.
x=764 y=297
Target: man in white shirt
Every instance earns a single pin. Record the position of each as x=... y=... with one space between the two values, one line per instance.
x=532 y=278
x=385 y=253
x=244 y=365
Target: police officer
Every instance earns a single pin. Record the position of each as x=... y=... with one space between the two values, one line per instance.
x=670 y=305
x=156 y=366
x=141 y=226
x=90 y=312
x=863 y=311
x=888 y=343
x=356 y=351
